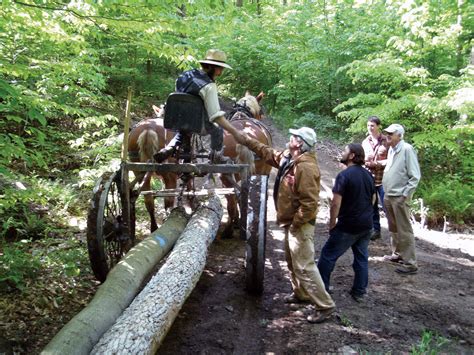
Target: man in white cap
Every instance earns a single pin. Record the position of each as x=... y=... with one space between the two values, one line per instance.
x=201 y=82
x=400 y=179
x=296 y=196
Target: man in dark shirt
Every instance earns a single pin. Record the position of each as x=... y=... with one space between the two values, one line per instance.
x=353 y=205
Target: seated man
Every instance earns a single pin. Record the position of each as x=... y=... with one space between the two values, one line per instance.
x=200 y=82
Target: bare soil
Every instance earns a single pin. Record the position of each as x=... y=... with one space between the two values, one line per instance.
x=219 y=317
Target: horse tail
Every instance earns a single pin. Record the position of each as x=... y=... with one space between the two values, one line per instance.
x=245 y=156
x=148 y=144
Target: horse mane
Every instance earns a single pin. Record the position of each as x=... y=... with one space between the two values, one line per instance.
x=251 y=103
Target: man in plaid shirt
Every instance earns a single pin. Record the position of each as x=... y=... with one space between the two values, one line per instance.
x=375 y=149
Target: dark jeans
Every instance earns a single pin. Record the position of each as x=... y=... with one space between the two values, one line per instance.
x=216 y=133
x=379 y=195
x=336 y=245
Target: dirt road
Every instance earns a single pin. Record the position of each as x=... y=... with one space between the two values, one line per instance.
x=220 y=317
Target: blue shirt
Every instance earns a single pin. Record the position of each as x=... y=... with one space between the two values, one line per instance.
x=356 y=186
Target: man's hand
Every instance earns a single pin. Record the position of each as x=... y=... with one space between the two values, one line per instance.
x=240 y=138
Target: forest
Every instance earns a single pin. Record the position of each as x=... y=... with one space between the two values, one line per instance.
x=66 y=67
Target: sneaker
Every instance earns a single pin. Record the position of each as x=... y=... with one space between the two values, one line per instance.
x=376 y=235
x=407 y=270
x=294 y=299
x=321 y=315
x=359 y=298
x=393 y=258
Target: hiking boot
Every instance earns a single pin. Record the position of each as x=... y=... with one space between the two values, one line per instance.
x=163 y=154
x=293 y=299
x=397 y=259
x=407 y=270
x=376 y=235
x=321 y=315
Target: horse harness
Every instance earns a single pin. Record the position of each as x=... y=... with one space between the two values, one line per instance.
x=242 y=113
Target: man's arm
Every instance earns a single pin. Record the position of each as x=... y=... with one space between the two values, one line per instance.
x=413 y=172
x=334 y=211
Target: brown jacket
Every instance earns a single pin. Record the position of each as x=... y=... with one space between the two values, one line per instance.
x=298 y=193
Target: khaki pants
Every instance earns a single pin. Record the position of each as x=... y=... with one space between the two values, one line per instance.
x=305 y=278
x=402 y=237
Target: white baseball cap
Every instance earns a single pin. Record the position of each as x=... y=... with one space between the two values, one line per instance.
x=395 y=127
x=305 y=133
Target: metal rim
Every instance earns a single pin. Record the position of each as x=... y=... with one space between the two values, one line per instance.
x=107 y=242
x=256 y=234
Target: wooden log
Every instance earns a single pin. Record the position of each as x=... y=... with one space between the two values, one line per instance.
x=119 y=289
x=143 y=325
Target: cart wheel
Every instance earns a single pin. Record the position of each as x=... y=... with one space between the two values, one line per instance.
x=256 y=234
x=107 y=240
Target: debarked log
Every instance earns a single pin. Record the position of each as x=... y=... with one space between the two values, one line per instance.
x=144 y=324
x=123 y=283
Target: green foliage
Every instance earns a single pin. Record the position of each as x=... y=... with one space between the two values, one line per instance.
x=449 y=198
x=17 y=265
x=34 y=210
x=431 y=343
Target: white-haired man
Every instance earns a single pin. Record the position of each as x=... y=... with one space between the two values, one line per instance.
x=296 y=195
x=400 y=179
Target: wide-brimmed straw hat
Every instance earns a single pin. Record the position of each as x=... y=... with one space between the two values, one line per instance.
x=216 y=57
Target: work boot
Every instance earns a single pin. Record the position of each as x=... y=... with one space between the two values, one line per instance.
x=292 y=298
x=163 y=154
x=407 y=270
x=321 y=315
x=394 y=258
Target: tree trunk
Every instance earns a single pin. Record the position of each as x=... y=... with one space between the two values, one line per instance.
x=142 y=326
x=123 y=283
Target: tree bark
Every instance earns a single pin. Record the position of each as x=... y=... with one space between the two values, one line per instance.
x=143 y=325
x=119 y=289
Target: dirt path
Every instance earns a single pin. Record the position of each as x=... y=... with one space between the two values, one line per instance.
x=220 y=317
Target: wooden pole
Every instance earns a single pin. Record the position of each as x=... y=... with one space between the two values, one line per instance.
x=125 y=194
x=126 y=125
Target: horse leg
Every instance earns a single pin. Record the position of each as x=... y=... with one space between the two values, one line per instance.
x=232 y=211
x=149 y=201
x=170 y=181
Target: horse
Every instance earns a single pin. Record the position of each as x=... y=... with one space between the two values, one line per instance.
x=149 y=136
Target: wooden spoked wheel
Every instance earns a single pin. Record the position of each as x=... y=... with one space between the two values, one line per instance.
x=108 y=238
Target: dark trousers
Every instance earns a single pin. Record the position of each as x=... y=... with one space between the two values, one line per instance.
x=379 y=195
x=184 y=138
x=336 y=245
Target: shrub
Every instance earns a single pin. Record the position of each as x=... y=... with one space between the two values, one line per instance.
x=451 y=198
x=17 y=265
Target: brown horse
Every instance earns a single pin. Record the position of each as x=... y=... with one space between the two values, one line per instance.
x=149 y=136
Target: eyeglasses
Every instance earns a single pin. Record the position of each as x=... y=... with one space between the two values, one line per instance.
x=389 y=134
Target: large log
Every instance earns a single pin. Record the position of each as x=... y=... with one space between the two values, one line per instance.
x=121 y=286
x=143 y=325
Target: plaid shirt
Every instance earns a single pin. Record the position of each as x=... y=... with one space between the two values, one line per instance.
x=376 y=152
